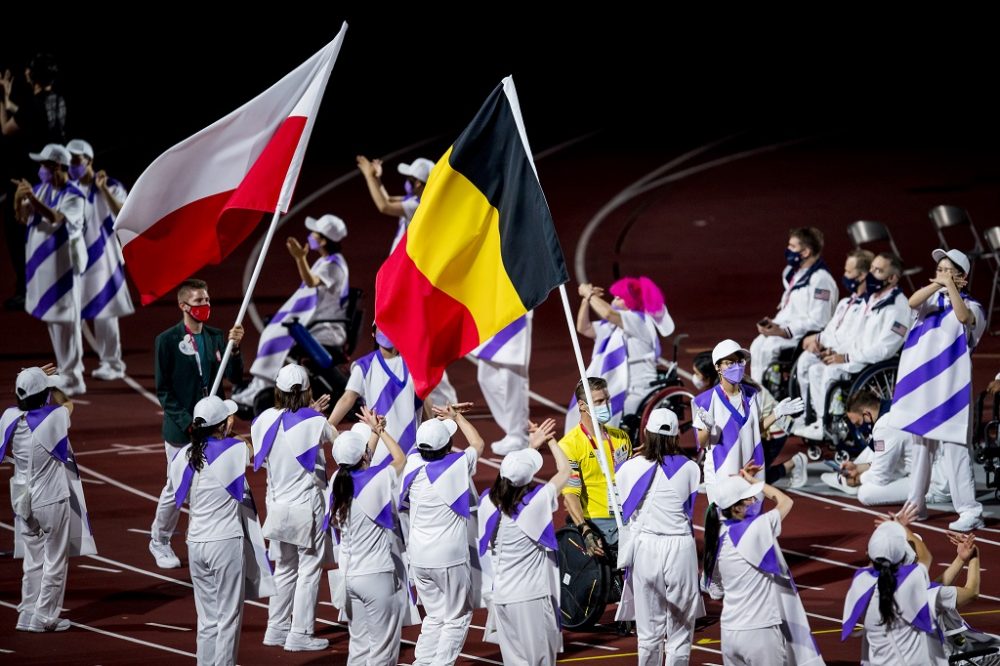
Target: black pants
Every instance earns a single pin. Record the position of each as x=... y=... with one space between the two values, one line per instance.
x=772 y=449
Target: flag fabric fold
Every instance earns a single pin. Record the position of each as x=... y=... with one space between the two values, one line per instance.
x=201 y=198
x=480 y=252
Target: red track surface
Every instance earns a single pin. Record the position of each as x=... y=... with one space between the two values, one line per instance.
x=713 y=240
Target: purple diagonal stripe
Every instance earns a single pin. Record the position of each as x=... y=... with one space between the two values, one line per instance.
x=407 y=482
x=105 y=295
x=618 y=402
x=922 y=621
x=672 y=464
x=216 y=447
x=548 y=537
x=391 y=391
x=362 y=477
x=308 y=459
x=305 y=303
x=44 y=251
x=60 y=450
x=637 y=493
x=941 y=413
x=6 y=438
x=235 y=488
x=409 y=437
x=384 y=517
x=490 y=531
x=932 y=368
x=461 y=506
x=267 y=442
x=35 y=417
x=769 y=563
x=96 y=248
x=503 y=337
x=185 y=485
x=737 y=528
x=758 y=454
x=932 y=322
x=689 y=505
x=860 y=606
x=730 y=438
x=438 y=467
x=613 y=359
x=282 y=343
x=52 y=295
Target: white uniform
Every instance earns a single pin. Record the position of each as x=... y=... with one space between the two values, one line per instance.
x=409 y=204
x=53 y=288
x=806 y=305
x=662 y=558
x=887 y=481
x=387 y=388
x=815 y=377
x=735 y=439
x=503 y=377
x=105 y=295
x=918 y=391
x=50 y=513
x=438 y=549
x=292 y=445
x=522 y=552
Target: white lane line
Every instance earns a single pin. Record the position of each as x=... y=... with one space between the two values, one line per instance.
x=93 y=481
x=948 y=564
x=168 y=626
x=820 y=559
x=118 y=448
x=123 y=486
x=2 y=651
x=91 y=566
x=924 y=526
x=809 y=587
x=835 y=620
x=138 y=531
x=120 y=636
x=706 y=649
x=592 y=645
x=836 y=548
x=554 y=406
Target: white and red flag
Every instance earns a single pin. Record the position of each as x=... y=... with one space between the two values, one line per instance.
x=200 y=199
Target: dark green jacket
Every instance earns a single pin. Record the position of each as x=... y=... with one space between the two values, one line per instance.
x=178 y=384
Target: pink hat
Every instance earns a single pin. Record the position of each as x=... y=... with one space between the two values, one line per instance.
x=639 y=294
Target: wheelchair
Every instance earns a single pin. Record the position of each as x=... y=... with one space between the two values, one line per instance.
x=986 y=440
x=588 y=584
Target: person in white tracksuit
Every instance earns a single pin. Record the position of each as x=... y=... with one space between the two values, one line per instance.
x=360 y=496
x=659 y=486
x=290 y=437
x=502 y=373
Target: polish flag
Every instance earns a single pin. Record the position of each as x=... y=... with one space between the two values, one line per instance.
x=196 y=202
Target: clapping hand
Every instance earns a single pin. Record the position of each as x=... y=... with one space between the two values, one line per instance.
x=539 y=434
x=451 y=410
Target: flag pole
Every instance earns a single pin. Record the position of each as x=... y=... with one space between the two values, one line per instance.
x=246 y=297
x=601 y=454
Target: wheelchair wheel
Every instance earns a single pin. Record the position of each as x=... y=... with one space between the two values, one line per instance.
x=585 y=582
x=879 y=378
x=678 y=400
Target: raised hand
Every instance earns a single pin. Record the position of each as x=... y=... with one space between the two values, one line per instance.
x=451 y=410
x=539 y=434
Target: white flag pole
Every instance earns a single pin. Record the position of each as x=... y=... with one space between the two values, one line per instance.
x=601 y=454
x=247 y=296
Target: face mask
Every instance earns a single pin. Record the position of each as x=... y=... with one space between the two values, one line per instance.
x=603 y=413
x=850 y=284
x=77 y=171
x=863 y=432
x=314 y=243
x=383 y=341
x=793 y=259
x=873 y=284
x=408 y=188
x=734 y=373
x=200 y=313
x=699 y=382
x=44 y=174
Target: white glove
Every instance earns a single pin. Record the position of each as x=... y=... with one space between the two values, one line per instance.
x=789 y=407
x=706 y=418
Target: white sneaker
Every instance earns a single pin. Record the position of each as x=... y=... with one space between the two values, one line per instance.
x=508 y=444
x=813 y=431
x=275 y=637
x=38 y=625
x=836 y=481
x=24 y=621
x=304 y=643
x=164 y=555
x=76 y=388
x=933 y=498
x=106 y=372
x=800 y=471
x=967 y=522
x=246 y=395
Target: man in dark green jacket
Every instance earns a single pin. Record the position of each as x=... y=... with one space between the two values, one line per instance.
x=188 y=356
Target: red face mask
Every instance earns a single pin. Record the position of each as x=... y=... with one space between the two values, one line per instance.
x=200 y=313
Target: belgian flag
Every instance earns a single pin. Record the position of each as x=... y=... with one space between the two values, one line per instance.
x=481 y=249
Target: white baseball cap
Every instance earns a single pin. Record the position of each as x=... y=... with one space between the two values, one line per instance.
x=330 y=226
x=727 y=347
x=663 y=421
x=362 y=429
x=80 y=147
x=213 y=410
x=32 y=381
x=349 y=448
x=956 y=256
x=889 y=542
x=434 y=434
x=52 y=152
x=732 y=489
x=520 y=466
x=420 y=169
x=290 y=375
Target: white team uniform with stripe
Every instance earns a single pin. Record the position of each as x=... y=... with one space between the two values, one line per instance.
x=735 y=440
x=387 y=388
x=503 y=376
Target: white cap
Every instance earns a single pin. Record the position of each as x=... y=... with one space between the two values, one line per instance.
x=213 y=410
x=732 y=489
x=290 y=375
x=727 y=347
x=956 y=256
x=663 y=421
x=349 y=448
x=420 y=169
x=362 y=429
x=329 y=226
x=80 y=147
x=32 y=381
x=52 y=152
x=520 y=466
x=434 y=434
x=888 y=542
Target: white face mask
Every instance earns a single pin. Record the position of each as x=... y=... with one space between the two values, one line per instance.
x=699 y=382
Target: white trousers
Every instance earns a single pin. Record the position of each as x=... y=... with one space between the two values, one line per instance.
x=528 y=632
x=217 y=574
x=444 y=393
x=956 y=468
x=167 y=513
x=816 y=378
x=506 y=394
x=665 y=584
x=753 y=647
x=445 y=596
x=109 y=342
x=67 y=343
x=894 y=492
x=46 y=560
x=297 y=573
x=376 y=619
x=764 y=350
